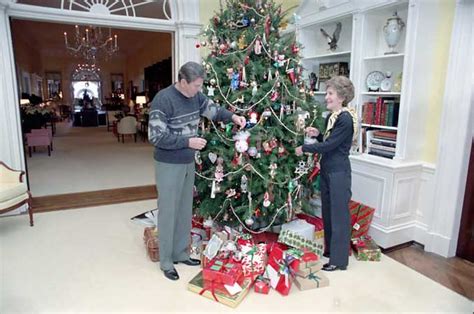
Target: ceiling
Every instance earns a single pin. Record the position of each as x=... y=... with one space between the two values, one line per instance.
x=49 y=37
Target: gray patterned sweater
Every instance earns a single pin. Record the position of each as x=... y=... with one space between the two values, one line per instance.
x=174 y=118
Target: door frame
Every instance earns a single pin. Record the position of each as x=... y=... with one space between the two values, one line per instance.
x=184 y=27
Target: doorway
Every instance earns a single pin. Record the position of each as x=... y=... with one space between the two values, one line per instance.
x=465 y=247
x=87 y=159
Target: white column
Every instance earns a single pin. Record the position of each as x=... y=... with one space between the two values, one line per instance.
x=11 y=143
x=188 y=28
x=455 y=136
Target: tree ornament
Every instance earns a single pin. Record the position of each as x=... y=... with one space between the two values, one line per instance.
x=230 y=73
x=214 y=41
x=234 y=84
x=233 y=45
x=273 y=167
x=295 y=49
x=253 y=118
x=257 y=48
x=252 y=151
x=249 y=221
x=210 y=90
x=242 y=43
x=274 y=95
x=268 y=23
x=266 y=200
x=243 y=184
x=241 y=144
x=291 y=75
x=198 y=160
x=212 y=157
x=198 y=45
x=254 y=87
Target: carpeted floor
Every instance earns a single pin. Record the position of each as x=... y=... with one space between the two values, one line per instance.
x=92 y=260
x=89 y=159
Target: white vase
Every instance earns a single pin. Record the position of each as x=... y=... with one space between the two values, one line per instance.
x=392 y=31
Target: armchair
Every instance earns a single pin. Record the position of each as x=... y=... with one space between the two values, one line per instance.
x=13 y=191
x=127 y=126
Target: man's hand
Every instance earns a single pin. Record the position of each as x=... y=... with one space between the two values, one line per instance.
x=239 y=120
x=311 y=132
x=299 y=150
x=197 y=143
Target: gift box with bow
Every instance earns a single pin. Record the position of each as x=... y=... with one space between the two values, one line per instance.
x=366 y=249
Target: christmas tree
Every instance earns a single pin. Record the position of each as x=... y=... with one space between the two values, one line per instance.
x=252 y=177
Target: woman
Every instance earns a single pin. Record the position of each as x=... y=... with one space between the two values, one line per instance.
x=334 y=146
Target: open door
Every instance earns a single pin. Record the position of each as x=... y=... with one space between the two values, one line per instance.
x=465 y=247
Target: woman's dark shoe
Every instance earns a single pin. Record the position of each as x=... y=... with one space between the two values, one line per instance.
x=171 y=274
x=329 y=267
x=190 y=262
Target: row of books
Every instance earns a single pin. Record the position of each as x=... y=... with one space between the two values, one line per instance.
x=382 y=112
x=382 y=143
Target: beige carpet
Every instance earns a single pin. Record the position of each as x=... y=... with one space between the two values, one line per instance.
x=89 y=159
x=92 y=260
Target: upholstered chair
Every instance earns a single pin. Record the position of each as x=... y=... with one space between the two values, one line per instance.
x=14 y=191
x=127 y=126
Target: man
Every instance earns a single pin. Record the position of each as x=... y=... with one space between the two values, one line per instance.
x=174 y=118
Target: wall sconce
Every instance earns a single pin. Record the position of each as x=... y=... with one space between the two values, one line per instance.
x=140 y=100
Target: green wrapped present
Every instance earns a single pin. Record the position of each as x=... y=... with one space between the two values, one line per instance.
x=366 y=249
x=290 y=238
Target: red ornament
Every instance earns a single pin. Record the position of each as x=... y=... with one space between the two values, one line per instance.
x=291 y=75
x=198 y=45
x=295 y=49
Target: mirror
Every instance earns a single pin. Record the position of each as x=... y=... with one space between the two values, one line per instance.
x=53 y=83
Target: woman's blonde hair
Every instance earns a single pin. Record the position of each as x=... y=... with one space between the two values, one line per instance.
x=343 y=87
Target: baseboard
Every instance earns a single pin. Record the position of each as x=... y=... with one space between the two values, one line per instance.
x=393 y=236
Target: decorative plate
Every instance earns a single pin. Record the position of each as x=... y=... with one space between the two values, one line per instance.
x=373 y=80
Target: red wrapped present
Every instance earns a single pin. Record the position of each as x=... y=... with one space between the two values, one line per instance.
x=361 y=217
x=222 y=271
x=265 y=237
x=244 y=239
x=262 y=285
x=279 y=257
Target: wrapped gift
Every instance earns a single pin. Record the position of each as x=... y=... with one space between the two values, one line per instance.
x=313 y=268
x=316 y=222
x=301 y=228
x=295 y=240
x=281 y=257
x=308 y=259
x=366 y=249
x=280 y=279
x=244 y=239
x=222 y=272
x=254 y=259
x=361 y=217
x=150 y=238
x=311 y=281
x=262 y=285
x=197 y=285
x=265 y=237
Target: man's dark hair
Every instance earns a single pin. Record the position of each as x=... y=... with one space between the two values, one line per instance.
x=190 y=71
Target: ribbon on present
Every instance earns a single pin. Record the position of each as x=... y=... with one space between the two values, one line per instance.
x=211 y=289
x=312 y=276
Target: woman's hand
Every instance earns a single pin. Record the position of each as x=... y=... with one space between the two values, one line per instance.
x=311 y=132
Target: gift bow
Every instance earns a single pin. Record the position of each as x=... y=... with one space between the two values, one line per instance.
x=312 y=276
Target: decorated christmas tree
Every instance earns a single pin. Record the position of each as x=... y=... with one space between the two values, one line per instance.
x=251 y=177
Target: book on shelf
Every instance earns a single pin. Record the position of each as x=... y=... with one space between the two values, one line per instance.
x=381 y=153
x=382 y=147
x=387 y=143
x=387 y=135
x=383 y=112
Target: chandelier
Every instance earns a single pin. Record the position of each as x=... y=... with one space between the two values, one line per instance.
x=86 y=71
x=91 y=44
